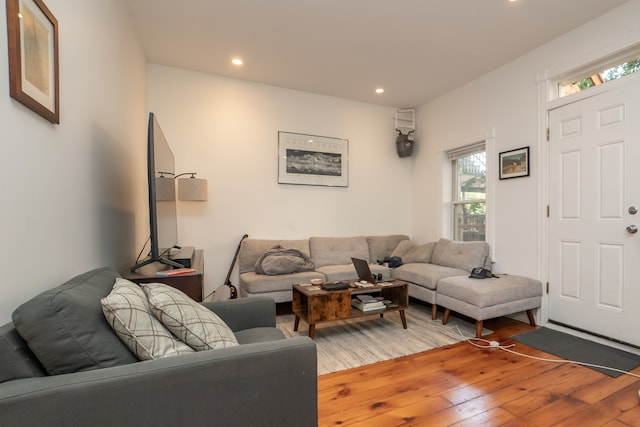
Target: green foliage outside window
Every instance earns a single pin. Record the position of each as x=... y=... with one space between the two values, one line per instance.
x=611 y=73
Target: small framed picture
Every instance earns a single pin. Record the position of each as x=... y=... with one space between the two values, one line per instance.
x=32 y=33
x=514 y=163
x=312 y=160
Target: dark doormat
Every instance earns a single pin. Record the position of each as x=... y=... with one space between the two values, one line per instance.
x=577 y=349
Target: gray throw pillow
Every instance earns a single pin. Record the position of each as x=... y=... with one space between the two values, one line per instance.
x=402 y=248
x=279 y=260
x=420 y=253
x=65 y=328
x=12 y=367
x=283 y=264
x=410 y=253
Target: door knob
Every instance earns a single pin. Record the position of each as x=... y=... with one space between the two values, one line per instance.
x=633 y=210
x=632 y=229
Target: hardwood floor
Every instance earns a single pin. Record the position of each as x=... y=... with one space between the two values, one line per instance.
x=461 y=385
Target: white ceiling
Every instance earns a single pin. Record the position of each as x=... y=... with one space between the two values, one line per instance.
x=415 y=49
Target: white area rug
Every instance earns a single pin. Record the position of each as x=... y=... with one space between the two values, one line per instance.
x=346 y=344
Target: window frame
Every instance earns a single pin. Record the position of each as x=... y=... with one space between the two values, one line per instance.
x=453 y=157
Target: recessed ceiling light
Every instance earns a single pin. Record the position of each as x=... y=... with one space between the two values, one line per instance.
x=379 y=90
x=237 y=61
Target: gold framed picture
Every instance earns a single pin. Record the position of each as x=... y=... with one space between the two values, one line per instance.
x=32 y=33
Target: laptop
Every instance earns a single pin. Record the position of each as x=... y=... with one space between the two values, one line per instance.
x=364 y=272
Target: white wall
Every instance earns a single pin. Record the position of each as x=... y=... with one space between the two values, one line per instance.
x=227 y=131
x=70 y=192
x=506 y=102
x=74 y=194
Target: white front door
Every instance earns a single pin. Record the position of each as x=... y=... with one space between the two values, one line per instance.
x=594 y=178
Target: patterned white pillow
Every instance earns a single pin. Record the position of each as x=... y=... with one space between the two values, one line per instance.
x=188 y=320
x=128 y=312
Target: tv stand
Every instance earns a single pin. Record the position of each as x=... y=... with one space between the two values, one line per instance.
x=182 y=256
x=160 y=260
x=178 y=258
x=190 y=283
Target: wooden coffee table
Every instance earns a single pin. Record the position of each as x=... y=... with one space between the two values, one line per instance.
x=314 y=305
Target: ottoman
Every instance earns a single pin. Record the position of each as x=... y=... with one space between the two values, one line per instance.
x=483 y=299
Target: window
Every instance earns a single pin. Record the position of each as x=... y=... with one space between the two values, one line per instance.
x=602 y=76
x=469 y=199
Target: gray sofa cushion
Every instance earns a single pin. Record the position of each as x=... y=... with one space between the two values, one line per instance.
x=425 y=275
x=382 y=246
x=402 y=247
x=338 y=272
x=490 y=292
x=252 y=249
x=348 y=272
x=337 y=250
x=65 y=327
x=409 y=252
x=462 y=255
x=254 y=283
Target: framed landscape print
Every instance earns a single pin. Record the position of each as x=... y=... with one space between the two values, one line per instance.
x=312 y=160
x=514 y=163
x=32 y=34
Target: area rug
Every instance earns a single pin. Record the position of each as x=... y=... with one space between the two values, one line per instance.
x=574 y=348
x=346 y=344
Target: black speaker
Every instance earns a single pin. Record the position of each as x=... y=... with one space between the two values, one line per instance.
x=404 y=144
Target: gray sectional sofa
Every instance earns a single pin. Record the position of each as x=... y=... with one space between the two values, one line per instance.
x=62 y=365
x=423 y=266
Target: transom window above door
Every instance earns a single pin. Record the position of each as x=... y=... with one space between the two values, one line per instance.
x=603 y=75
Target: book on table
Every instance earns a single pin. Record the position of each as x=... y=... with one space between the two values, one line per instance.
x=367 y=303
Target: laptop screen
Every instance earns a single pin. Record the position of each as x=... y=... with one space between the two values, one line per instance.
x=363 y=270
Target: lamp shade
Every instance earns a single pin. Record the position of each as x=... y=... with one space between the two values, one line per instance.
x=165 y=189
x=192 y=189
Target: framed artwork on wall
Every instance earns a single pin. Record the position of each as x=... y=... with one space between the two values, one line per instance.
x=514 y=163
x=312 y=160
x=32 y=34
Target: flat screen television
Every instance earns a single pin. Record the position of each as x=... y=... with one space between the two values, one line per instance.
x=163 y=221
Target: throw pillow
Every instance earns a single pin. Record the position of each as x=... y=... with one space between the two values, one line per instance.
x=279 y=260
x=420 y=253
x=12 y=366
x=461 y=255
x=190 y=321
x=402 y=248
x=381 y=247
x=410 y=253
x=127 y=311
x=65 y=328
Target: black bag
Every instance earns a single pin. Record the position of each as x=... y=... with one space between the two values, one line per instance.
x=481 y=273
x=391 y=261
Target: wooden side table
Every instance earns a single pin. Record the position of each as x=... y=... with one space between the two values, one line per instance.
x=191 y=283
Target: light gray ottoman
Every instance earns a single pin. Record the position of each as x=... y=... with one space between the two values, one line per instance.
x=483 y=299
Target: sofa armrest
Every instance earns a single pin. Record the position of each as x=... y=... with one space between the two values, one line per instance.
x=267 y=384
x=245 y=313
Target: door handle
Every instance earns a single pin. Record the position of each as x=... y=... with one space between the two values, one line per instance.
x=632 y=229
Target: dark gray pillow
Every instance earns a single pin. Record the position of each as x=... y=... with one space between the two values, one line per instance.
x=66 y=329
x=17 y=362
